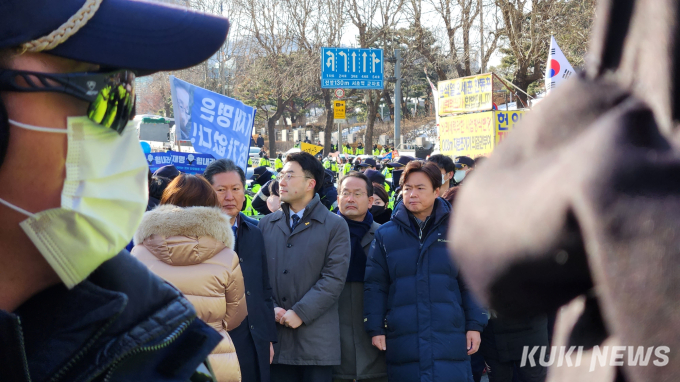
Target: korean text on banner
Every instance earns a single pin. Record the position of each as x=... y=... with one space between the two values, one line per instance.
x=190 y=163
x=467 y=135
x=339 y=109
x=466 y=94
x=505 y=121
x=310 y=148
x=213 y=123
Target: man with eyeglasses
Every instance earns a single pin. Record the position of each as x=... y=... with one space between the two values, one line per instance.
x=73 y=304
x=308 y=250
x=361 y=361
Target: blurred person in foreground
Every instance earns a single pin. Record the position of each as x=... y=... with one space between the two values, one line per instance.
x=600 y=243
x=416 y=306
x=308 y=251
x=361 y=361
x=187 y=240
x=67 y=93
x=254 y=337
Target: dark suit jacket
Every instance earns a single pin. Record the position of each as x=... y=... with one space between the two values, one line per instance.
x=250 y=250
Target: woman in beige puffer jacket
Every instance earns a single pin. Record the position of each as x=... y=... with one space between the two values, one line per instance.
x=192 y=248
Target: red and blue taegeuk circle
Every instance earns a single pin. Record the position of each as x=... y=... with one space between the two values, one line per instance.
x=554 y=68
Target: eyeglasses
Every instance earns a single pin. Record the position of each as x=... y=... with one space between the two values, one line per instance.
x=111 y=95
x=288 y=176
x=357 y=194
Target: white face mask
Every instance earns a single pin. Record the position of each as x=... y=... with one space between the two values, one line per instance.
x=104 y=197
x=443 y=179
x=459 y=175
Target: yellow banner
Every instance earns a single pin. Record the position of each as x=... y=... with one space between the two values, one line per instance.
x=469 y=135
x=466 y=94
x=310 y=148
x=505 y=121
x=339 y=109
x=477 y=134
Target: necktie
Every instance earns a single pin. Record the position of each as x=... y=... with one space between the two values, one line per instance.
x=296 y=220
x=234 y=228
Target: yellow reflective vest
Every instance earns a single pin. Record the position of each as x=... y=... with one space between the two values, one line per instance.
x=249 y=210
x=346 y=169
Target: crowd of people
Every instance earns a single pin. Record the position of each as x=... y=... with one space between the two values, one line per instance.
x=357 y=288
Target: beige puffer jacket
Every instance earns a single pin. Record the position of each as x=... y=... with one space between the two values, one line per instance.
x=192 y=248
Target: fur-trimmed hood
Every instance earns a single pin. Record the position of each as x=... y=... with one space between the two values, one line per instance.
x=185 y=235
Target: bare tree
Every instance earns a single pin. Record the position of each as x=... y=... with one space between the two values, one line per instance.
x=318 y=23
x=277 y=71
x=373 y=19
x=528 y=25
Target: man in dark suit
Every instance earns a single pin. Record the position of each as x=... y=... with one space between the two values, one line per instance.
x=254 y=337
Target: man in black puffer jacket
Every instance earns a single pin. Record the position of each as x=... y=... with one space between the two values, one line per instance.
x=416 y=306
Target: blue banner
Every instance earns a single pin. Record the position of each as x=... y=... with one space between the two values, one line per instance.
x=215 y=124
x=190 y=163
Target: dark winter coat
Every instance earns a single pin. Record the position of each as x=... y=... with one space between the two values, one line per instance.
x=307 y=271
x=414 y=295
x=260 y=324
x=360 y=359
x=122 y=321
x=504 y=338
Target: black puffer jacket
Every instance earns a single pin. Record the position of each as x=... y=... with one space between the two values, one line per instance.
x=122 y=323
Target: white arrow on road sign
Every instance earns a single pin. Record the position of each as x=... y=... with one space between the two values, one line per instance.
x=354 y=62
x=343 y=54
x=374 y=61
x=364 y=55
x=331 y=60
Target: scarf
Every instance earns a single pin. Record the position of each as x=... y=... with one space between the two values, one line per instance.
x=357 y=262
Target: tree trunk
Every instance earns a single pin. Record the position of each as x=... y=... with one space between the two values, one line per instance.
x=373 y=104
x=272 y=136
x=271 y=123
x=328 y=130
x=390 y=104
x=466 y=41
x=523 y=79
x=405 y=114
x=522 y=83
